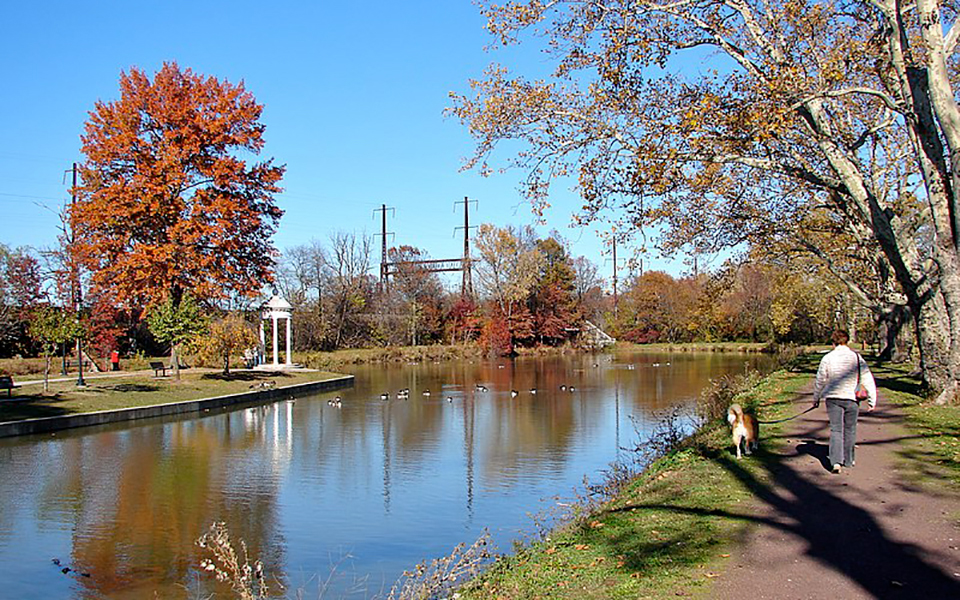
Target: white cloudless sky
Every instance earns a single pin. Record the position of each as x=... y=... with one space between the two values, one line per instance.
x=354 y=96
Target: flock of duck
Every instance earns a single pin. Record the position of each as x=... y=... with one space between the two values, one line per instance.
x=404 y=394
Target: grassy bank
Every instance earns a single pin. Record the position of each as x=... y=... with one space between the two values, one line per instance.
x=101 y=394
x=719 y=347
x=332 y=361
x=393 y=354
x=413 y=354
x=417 y=354
x=932 y=455
x=668 y=531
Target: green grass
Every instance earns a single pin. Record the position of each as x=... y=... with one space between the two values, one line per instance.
x=113 y=393
x=931 y=453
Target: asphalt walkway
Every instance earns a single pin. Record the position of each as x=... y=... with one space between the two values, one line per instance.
x=865 y=533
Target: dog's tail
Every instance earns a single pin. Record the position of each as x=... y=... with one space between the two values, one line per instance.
x=734 y=413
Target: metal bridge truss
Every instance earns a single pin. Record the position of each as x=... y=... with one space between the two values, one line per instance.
x=426 y=266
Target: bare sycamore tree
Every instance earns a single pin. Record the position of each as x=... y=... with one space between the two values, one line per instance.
x=349 y=262
x=588 y=286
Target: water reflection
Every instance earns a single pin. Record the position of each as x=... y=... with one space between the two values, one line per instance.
x=373 y=486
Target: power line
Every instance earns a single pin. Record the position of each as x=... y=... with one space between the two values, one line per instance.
x=29 y=197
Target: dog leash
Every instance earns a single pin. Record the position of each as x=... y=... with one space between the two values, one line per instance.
x=788 y=418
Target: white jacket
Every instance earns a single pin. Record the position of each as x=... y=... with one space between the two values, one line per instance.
x=837 y=376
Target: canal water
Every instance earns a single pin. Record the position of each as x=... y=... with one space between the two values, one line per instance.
x=336 y=501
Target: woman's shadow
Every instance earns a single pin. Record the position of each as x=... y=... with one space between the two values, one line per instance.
x=816 y=450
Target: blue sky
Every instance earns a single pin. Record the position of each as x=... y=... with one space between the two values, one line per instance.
x=354 y=95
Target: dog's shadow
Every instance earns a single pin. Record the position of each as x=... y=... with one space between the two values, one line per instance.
x=818 y=451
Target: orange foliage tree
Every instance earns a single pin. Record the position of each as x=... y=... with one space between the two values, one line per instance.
x=168 y=201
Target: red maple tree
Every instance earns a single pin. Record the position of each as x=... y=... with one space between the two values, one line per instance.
x=168 y=201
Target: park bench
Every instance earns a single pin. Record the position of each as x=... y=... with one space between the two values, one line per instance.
x=158 y=367
x=6 y=383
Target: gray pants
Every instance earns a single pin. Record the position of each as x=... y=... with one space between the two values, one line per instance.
x=843 y=430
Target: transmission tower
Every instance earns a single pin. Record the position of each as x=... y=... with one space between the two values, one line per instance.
x=466 y=285
x=383 y=252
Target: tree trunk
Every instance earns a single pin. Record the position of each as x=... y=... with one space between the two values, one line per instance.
x=938 y=343
x=46 y=375
x=894 y=337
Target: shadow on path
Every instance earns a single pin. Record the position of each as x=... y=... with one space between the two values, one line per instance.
x=839 y=535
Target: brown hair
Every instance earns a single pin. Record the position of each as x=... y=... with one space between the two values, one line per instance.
x=840 y=337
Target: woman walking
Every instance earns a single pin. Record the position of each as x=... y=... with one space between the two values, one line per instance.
x=842 y=371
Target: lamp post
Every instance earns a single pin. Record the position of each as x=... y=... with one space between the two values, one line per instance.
x=76 y=282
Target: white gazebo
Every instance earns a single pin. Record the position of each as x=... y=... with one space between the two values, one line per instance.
x=277 y=308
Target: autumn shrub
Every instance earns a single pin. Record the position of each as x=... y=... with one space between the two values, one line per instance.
x=641 y=336
x=226 y=338
x=496 y=339
x=717 y=397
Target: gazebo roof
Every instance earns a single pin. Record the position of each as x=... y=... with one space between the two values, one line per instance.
x=278 y=303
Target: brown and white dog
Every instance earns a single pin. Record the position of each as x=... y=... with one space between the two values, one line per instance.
x=746 y=430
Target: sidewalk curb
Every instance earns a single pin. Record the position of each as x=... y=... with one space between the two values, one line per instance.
x=48 y=424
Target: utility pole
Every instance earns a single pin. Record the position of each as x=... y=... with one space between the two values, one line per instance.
x=76 y=283
x=383 y=252
x=466 y=285
x=616 y=297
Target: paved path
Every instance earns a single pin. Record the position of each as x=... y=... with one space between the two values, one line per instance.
x=113 y=375
x=151 y=372
x=865 y=533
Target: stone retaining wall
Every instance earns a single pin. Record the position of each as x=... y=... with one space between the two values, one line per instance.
x=48 y=424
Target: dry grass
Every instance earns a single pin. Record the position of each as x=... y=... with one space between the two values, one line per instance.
x=431 y=579
x=437 y=578
x=394 y=354
x=245 y=578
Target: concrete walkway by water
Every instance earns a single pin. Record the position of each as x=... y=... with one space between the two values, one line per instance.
x=258 y=395
x=141 y=373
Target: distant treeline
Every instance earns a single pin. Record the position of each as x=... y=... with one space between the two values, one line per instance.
x=528 y=291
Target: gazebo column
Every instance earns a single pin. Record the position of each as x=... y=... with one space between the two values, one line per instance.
x=276 y=350
x=263 y=344
x=289 y=340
